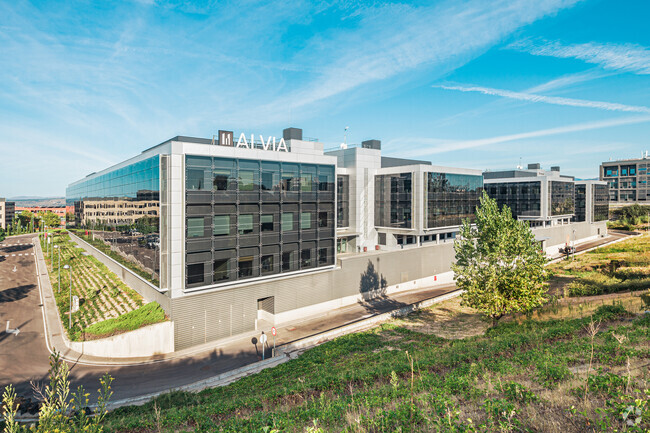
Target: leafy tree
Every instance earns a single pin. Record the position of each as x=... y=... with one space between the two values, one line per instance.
x=51 y=219
x=2 y=234
x=30 y=220
x=69 y=217
x=498 y=263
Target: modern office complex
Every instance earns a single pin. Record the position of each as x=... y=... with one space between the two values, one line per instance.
x=591 y=201
x=242 y=232
x=545 y=198
x=7 y=212
x=628 y=179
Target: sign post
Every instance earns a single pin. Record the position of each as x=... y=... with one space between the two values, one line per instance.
x=274 y=332
x=263 y=339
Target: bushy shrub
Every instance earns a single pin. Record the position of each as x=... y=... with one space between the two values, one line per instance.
x=610 y=312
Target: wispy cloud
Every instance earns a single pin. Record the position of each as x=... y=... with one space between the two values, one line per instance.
x=555 y=100
x=620 y=57
x=389 y=42
x=578 y=127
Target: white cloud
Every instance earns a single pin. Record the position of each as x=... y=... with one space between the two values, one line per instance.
x=619 y=57
x=555 y=100
x=578 y=127
x=393 y=41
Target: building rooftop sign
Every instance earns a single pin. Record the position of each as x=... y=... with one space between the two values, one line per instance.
x=271 y=143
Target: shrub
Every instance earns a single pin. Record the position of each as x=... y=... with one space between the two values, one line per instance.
x=610 y=312
x=145 y=315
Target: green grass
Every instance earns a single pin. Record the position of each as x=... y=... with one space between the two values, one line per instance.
x=101 y=293
x=146 y=315
x=624 y=266
x=517 y=377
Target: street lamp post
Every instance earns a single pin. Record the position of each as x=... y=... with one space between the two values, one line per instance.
x=70 y=311
x=56 y=247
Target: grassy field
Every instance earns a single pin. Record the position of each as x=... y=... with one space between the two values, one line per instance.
x=107 y=306
x=611 y=269
x=523 y=375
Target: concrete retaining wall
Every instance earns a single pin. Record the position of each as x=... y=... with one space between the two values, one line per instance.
x=558 y=236
x=147 y=290
x=151 y=340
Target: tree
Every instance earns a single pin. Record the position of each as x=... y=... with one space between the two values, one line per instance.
x=498 y=263
x=69 y=217
x=29 y=219
x=2 y=234
x=51 y=219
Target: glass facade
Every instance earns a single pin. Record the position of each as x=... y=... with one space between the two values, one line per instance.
x=581 y=203
x=342 y=201
x=523 y=198
x=601 y=202
x=451 y=198
x=250 y=218
x=122 y=208
x=561 y=198
x=393 y=200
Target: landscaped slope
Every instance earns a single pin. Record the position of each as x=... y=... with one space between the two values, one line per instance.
x=528 y=376
x=102 y=295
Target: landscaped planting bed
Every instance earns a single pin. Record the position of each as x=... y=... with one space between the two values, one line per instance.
x=102 y=295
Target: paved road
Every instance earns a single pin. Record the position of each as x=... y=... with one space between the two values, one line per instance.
x=24 y=358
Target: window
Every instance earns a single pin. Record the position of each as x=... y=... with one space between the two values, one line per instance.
x=245 y=266
x=246 y=180
x=267 y=223
x=287 y=259
x=195 y=227
x=195 y=273
x=195 y=179
x=306 y=182
x=245 y=224
x=221 y=225
x=305 y=220
x=220 y=179
x=269 y=180
x=287 y=221
x=382 y=238
x=221 y=269
x=322 y=219
x=322 y=256
x=305 y=258
x=267 y=264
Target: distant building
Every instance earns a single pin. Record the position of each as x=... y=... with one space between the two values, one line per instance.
x=628 y=179
x=7 y=212
x=592 y=201
x=60 y=211
x=545 y=198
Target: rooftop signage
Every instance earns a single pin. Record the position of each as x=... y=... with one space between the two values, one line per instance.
x=271 y=143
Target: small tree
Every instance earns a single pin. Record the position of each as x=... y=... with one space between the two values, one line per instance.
x=498 y=263
x=51 y=219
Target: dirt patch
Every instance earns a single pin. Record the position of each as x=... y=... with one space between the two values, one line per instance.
x=447 y=320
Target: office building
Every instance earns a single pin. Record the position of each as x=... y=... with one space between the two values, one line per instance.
x=544 y=198
x=243 y=232
x=7 y=213
x=591 y=201
x=628 y=180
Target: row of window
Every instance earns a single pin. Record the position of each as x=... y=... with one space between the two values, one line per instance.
x=224 y=174
x=226 y=225
x=228 y=265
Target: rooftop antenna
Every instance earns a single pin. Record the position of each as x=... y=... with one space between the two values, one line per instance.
x=344 y=145
x=520 y=167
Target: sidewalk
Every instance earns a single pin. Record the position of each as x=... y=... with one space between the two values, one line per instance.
x=286 y=333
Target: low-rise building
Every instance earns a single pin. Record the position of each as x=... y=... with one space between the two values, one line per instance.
x=628 y=180
x=7 y=213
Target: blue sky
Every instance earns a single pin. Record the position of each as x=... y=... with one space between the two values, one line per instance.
x=476 y=84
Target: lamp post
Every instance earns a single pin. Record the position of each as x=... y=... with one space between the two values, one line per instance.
x=58 y=248
x=70 y=311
